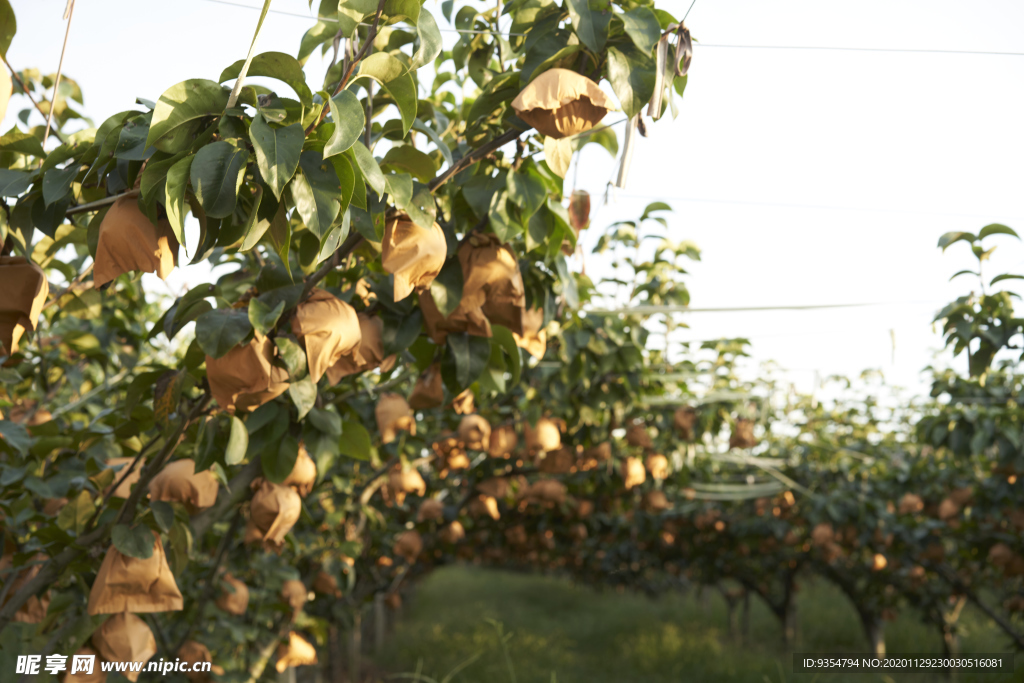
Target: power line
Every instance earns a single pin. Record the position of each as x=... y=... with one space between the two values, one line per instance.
x=655 y=310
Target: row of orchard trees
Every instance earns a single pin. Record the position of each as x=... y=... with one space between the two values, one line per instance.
x=393 y=235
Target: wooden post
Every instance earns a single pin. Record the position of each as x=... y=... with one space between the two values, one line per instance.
x=380 y=617
x=355 y=646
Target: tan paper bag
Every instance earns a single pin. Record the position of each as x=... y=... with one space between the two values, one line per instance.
x=546 y=436
x=234 y=596
x=430 y=510
x=124 y=637
x=408 y=545
x=329 y=328
x=429 y=389
x=25 y=289
x=657 y=465
x=560 y=103
x=245 y=377
x=124 y=489
x=503 y=441
x=179 y=482
x=128 y=241
x=633 y=472
x=367 y=356
x=414 y=254
x=303 y=475
x=326 y=584
x=98 y=675
x=533 y=340
x=197 y=653
x=295 y=593
x=128 y=584
x=475 y=432
x=394 y=415
x=273 y=512
x=298 y=652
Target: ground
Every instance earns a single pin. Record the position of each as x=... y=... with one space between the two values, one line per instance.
x=570 y=634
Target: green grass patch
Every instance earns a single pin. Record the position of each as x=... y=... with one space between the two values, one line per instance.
x=571 y=634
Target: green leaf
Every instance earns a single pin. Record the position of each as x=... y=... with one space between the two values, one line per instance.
x=643 y=28
x=996 y=229
x=397 y=10
x=503 y=337
x=368 y=166
x=355 y=441
x=303 y=395
x=174 y=196
x=279 y=464
x=163 y=513
x=13 y=183
x=293 y=356
x=632 y=77
x=277 y=152
x=349 y=120
x=134 y=542
x=1005 y=276
x=180 y=540
x=279 y=65
x=216 y=173
x=435 y=138
x=185 y=102
x=408 y=159
x=75 y=515
x=527 y=192
x=591 y=26
x=22 y=143
x=57 y=183
x=8 y=27
x=467 y=355
x=238 y=442
x=15 y=435
x=220 y=330
x=572 y=298
x=394 y=78
x=953 y=237
x=430 y=41
x=446 y=289
x=262 y=316
x=316 y=191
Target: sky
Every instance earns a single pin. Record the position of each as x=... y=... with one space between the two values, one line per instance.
x=807 y=177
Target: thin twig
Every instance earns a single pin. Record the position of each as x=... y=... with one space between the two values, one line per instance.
x=475 y=156
x=60 y=67
x=346 y=248
x=72 y=287
x=24 y=89
x=99 y=203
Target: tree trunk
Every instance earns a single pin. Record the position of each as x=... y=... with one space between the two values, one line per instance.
x=874 y=629
x=950 y=634
x=355 y=646
x=789 y=623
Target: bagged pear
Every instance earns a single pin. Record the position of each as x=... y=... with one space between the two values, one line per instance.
x=502 y=442
x=298 y=652
x=326 y=584
x=742 y=434
x=475 y=432
x=234 y=596
x=303 y=475
x=179 y=482
x=124 y=637
x=273 y=512
x=33 y=611
x=245 y=377
x=25 y=289
x=463 y=404
x=394 y=415
x=408 y=545
x=403 y=481
x=128 y=241
x=295 y=594
x=546 y=436
x=533 y=340
x=633 y=472
x=98 y=675
x=560 y=103
x=129 y=584
x=430 y=510
x=369 y=354
x=329 y=329
x=414 y=254
x=657 y=465
x=196 y=653
x=429 y=389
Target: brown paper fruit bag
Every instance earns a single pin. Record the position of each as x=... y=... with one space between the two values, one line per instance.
x=124 y=637
x=743 y=434
x=234 y=596
x=602 y=452
x=503 y=441
x=463 y=404
x=655 y=501
x=482 y=506
x=657 y=465
x=545 y=492
x=475 y=432
x=245 y=377
x=637 y=435
x=533 y=340
x=129 y=242
x=546 y=436
x=24 y=289
x=303 y=475
x=560 y=103
x=452 y=533
x=326 y=584
x=414 y=254
x=464 y=318
x=329 y=328
x=430 y=510
x=298 y=652
x=197 y=653
x=295 y=593
x=33 y=611
x=493 y=281
x=394 y=415
x=408 y=545
x=429 y=389
x=98 y=675
x=273 y=512
x=403 y=481
x=179 y=482
x=633 y=472
x=128 y=584
x=367 y=356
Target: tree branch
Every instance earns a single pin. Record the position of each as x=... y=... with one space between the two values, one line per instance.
x=474 y=156
x=346 y=248
x=14 y=74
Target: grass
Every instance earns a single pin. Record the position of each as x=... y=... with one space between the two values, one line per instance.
x=569 y=634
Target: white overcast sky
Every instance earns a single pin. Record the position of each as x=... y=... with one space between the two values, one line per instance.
x=807 y=177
